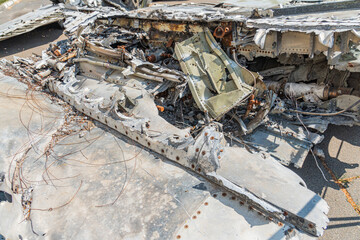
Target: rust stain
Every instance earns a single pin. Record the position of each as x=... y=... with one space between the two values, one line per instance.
x=341 y=186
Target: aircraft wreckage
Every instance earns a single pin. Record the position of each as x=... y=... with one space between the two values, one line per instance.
x=228 y=94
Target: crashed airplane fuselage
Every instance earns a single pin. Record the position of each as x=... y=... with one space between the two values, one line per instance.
x=228 y=94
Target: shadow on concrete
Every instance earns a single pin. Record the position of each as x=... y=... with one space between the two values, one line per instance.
x=344 y=218
x=40 y=36
x=310 y=172
x=352 y=224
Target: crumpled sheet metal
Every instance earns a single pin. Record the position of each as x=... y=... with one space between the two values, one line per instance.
x=325 y=37
x=305 y=23
x=159 y=199
x=30 y=21
x=188 y=12
x=286 y=142
x=176 y=146
x=205 y=63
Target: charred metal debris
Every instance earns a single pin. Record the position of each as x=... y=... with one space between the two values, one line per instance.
x=222 y=91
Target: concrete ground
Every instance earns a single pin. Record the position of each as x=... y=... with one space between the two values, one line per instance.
x=20 y=7
x=341 y=144
x=342 y=150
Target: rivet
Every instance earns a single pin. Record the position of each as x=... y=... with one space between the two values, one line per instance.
x=178 y=236
x=311 y=225
x=199 y=169
x=194 y=217
x=137 y=138
x=197 y=150
x=203 y=152
x=192 y=166
x=221 y=150
x=206 y=203
x=251 y=208
x=280 y=224
x=206 y=134
x=147 y=125
x=126 y=132
x=162 y=150
x=233 y=198
x=177 y=158
x=149 y=144
x=241 y=203
x=215 y=195
x=186 y=226
x=212 y=138
x=219 y=157
x=115 y=126
x=198 y=212
x=285 y=213
x=224 y=194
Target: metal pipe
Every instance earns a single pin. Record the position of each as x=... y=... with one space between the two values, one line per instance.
x=115 y=67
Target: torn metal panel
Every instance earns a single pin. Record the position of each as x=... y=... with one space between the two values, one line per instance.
x=287 y=143
x=158 y=201
x=30 y=21
x=177 y=145
x=206 y=65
